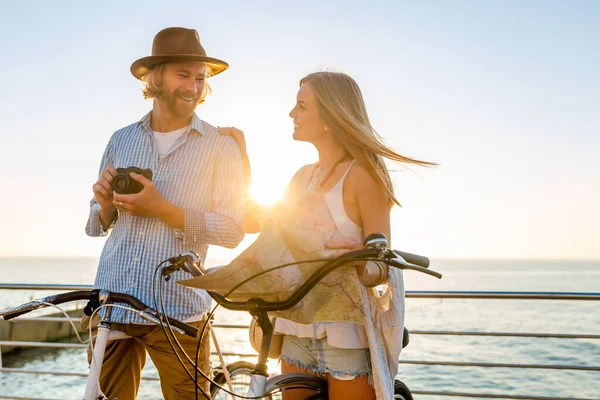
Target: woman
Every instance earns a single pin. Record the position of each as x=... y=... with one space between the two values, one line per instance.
x=355 y=185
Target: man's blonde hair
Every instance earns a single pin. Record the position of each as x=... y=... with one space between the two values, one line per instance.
x=153 y=82
x=342 y=109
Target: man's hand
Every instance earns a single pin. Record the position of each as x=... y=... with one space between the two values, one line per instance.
x=103 y=194
x=146 y=204
x=103 y=188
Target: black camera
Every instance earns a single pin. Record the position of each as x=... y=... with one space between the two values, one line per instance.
x=123 y=183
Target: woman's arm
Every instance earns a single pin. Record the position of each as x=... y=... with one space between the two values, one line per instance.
x=374 y=207
x=374 y=213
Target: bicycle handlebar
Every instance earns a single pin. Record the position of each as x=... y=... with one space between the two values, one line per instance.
x=189 y=330
x=413 y=258
x=87 y=295
x=390 y=257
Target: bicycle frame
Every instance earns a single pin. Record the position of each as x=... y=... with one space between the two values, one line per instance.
x=92 y=388
x=258 y=378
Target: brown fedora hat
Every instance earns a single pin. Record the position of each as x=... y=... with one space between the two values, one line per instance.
x=175 y=45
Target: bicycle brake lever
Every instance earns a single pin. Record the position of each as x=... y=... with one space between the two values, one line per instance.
x=167 y=271
x=149 y=316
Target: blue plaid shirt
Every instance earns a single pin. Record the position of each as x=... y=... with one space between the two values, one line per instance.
x=202 y=173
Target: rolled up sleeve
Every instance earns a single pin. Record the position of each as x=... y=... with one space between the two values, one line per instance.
x=94 y=225
x=223 y=224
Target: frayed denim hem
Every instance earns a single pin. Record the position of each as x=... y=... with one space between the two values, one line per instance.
x=322 y=371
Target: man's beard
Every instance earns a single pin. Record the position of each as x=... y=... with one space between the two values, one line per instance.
x=180 y=109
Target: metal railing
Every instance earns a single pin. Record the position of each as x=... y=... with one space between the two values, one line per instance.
x=409 y=294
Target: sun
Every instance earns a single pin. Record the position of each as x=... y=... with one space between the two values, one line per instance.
x=265 y=192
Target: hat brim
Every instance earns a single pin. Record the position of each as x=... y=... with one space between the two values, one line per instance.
x=140 y=68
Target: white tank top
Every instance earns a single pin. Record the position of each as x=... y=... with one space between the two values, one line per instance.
x=344 y=335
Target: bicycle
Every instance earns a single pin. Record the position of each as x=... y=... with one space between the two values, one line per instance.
x=243 y=375
x=98 y=299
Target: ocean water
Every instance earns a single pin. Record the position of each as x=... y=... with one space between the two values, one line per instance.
x=532 y=316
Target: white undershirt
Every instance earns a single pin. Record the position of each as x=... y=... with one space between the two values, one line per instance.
x=164 y=140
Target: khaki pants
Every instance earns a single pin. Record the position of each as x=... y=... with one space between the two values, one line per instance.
x=125 y=358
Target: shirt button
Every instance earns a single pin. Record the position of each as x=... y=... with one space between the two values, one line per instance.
x=137 y=259
x=141 y=233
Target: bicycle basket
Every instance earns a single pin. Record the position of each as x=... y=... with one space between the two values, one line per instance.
x=256 y=334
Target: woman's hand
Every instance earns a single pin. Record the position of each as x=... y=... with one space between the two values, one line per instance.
x=236 y=134
x=349 y=243
x=370 y=273
x=345 y=242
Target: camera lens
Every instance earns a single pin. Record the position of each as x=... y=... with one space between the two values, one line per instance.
x=120 y=183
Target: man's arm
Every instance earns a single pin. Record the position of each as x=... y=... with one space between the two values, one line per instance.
x=252 y=210
x=102 y=213
x=223 y=225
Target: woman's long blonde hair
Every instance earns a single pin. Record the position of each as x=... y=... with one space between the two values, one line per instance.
x=342 y=108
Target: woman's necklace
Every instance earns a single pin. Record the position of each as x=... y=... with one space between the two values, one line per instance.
x=321 y=181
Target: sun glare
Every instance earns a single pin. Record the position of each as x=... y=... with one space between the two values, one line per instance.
x=265 y=192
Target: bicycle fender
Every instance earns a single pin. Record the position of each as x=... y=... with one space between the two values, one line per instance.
x=297 y=380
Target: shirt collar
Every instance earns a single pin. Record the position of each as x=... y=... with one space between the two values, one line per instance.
x=196 y=125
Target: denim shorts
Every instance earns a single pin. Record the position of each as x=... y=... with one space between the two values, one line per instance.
x=316 y=356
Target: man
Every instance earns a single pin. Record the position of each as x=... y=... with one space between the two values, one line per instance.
x=195 y=198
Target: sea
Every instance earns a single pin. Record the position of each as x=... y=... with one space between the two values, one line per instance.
x=525 y=316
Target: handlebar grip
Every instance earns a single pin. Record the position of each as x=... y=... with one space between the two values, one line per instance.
x=414 y=258
x=40 y=303
x=15 y=312
x=398 y=264
x=186 y=328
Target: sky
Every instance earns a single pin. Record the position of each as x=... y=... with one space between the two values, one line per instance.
x=503 y=95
